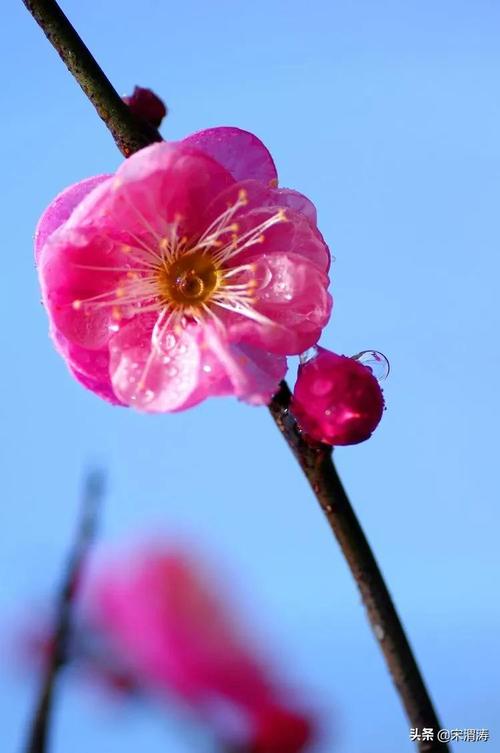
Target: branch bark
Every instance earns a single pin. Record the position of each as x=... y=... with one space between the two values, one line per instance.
x=316 y=461
x=40 y=727
x=130 y=134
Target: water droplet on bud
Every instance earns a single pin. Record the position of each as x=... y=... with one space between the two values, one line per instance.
x=376 y=362
x=308 y=355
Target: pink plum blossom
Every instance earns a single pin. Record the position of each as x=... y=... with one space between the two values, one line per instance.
x=186 y=274
x=160 y=612
x=337 y=400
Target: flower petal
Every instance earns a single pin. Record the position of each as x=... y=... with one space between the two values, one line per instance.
x=162 y=184
x=149 y=378
x=240 y=152
x=292 y=301
x=287 y=197
x=253 y=373
x=61 y=208
x=255 y=204
x=89 y=367
x=70 y=285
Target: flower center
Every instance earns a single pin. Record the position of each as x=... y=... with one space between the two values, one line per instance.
x=190 y=279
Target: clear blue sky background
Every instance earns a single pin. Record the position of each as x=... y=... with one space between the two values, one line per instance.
x=387 y=115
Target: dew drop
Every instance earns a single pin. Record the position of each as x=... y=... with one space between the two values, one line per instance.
x=376 y=362
x=169 y=341
x=308 y=355
x=207 y=369
x=182 y=349
x=166 y=359
x=114 y=327
x=172 y=371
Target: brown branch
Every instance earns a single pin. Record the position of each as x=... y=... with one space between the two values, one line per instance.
x=92 y=496
x=129 y=133
x=317 y=464
x=315 y=461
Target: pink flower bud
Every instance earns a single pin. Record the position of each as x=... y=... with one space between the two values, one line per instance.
x=337 y=400
x=145 y=104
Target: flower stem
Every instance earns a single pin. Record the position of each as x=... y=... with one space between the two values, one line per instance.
x=40 y=726
x=315 y=461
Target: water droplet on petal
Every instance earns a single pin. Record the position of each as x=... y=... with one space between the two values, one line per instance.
x=207 y=369
x=114 y=327
x=376 y=362
x=169 y=341
x=166 y=359
x=182 y=349
x=172 y=371
x=308 y=355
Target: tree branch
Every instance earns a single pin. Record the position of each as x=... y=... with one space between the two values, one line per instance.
x=317 y=464
x=130 y=134
x=315 y=461
x=92 y=496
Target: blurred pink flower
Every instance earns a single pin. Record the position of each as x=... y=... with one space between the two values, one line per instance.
x=337 y=400
x=187 y=274
x=160 y=613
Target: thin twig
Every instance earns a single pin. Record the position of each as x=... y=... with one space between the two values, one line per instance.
x=129 y=133
x=92 y=496
x=317 y=464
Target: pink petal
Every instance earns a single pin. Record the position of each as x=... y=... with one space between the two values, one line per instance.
x=152 y=379
x=293 y=298
x=99 y=388
x=89 y=367
x=61 y=208
x=157 y=186
x=287 y=197
x=296 y=232
x=240 y=152
x=67 y=276
x=253 y=373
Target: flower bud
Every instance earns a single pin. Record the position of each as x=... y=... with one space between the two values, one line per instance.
x=337 y=400
x=146 y=105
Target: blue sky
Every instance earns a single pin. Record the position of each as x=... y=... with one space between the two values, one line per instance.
x=387 y=115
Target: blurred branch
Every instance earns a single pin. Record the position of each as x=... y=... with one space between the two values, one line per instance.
x=315 y=461
x=92 y=496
